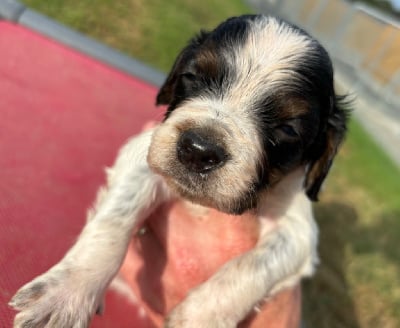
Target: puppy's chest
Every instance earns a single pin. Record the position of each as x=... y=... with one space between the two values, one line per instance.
x=196 y=211
x=250 y=225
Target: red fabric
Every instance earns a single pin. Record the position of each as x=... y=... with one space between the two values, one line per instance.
x=63 y=116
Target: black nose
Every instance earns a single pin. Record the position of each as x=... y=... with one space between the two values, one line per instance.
x=198 y=154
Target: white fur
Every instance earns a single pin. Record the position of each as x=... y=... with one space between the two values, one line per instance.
x=266 y=61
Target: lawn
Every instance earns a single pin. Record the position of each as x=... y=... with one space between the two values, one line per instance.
x=358 y=282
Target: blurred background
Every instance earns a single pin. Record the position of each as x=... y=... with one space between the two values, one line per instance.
x=358 y=282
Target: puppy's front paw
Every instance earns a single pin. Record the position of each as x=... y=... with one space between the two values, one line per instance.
x=57 y=298
x=194 y=314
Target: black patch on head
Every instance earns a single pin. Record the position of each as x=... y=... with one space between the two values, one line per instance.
x=200 y=68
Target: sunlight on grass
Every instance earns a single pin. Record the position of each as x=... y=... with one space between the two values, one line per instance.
x=366 y=164
x=359 y=222
x=152 y=30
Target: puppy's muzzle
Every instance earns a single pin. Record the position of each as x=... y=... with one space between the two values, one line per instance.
x=199 y=153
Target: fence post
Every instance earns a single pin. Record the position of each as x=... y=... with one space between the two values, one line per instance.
x=316 y=14
x=381 y=52
x=342 y=28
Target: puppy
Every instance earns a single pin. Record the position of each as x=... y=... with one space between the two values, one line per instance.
x=253 y=124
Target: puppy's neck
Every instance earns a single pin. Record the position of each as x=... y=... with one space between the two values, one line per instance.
x=286 y=197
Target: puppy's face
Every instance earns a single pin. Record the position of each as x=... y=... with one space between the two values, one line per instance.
x=247 y=103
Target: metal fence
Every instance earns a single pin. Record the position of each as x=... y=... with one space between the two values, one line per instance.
x=363 y=41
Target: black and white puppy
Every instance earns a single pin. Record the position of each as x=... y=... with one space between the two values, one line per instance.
x=253 y=124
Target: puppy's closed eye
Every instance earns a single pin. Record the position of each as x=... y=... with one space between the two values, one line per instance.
x=288 y=131
x=188 y=77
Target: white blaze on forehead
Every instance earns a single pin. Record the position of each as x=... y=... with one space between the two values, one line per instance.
x=266 y=60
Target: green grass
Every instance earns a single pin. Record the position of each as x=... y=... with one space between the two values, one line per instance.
x=358 y=281
x=366 y=164
x=152 y=30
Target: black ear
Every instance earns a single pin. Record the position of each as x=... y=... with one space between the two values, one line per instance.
x=166 y=94
x=332 y=137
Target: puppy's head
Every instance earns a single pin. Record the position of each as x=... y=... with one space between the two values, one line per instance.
x=247 y=103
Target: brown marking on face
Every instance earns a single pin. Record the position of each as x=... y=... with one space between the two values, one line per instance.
x=292 y=107
x=320 y=168
x=208 y=63
x=186 y=125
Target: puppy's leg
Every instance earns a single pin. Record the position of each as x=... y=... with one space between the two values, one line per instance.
x=279 y=260
x=70 y=292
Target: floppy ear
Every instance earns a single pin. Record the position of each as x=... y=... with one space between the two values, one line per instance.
x=333 y=136
x=166 y=94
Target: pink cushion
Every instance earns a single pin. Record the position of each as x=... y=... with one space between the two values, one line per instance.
x=63 y=117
